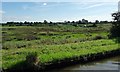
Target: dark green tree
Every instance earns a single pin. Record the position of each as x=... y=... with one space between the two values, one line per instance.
x=115 y=30
x=84 y=21
x=79 y=22
x=96 y=21
x=45 y=22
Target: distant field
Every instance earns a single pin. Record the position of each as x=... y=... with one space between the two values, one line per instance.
x=24 y=36
x=53 y=43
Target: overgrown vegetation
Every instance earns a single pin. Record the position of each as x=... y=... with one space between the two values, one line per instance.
x=45 y=45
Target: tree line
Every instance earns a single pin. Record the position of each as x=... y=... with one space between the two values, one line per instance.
x=45 y=22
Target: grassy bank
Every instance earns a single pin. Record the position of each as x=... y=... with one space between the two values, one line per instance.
x=48 y=54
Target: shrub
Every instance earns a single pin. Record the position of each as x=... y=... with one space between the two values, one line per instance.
x=32 y=58
x=33 y=61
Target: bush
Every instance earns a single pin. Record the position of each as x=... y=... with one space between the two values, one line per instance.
x=32 y=59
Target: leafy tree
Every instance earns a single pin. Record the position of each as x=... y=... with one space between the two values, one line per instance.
x=68 y=22
x=73 y=22
x=115 y=30
x=84 y=21
x=45 y=22
x=96 y=21
x=79 y=22
x=50 y=22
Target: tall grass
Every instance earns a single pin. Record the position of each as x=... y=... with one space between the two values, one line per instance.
x=51 y=53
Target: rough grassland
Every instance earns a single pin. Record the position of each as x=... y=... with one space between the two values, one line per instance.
x=53 y=43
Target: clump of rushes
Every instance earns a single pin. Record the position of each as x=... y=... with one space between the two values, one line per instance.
x=32 y=60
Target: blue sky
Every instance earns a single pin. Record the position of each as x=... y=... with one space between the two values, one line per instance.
x=57 y=11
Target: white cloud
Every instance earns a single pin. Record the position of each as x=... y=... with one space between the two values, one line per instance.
x=92 y=18
x=102 y=17
x=44 y=4
x=47 y=4
x=88 y=5
x=95 y=5
x=25 y=7
x=40 y=3
x=16 y=18
x=2 y=12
